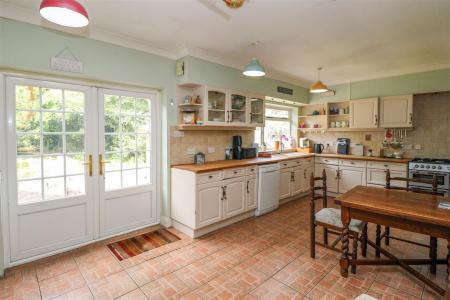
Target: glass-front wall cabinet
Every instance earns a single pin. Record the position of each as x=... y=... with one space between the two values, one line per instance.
x=217 y=106
x=238 y=112
x=257 y=111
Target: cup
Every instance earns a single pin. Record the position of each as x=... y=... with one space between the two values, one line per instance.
x=338 y=124
x=344 y=124
x=332 y=124
x=341 y=111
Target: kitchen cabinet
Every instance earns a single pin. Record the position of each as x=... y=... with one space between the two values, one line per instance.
x=209 y=203
x=238 y=109
x=297 y=179
x=285 y=183
x=376 y=173
x=350 y=177
x=216 y=106
x=306 y=177
x=234 y=194
x=252 y=192
x=332 y=173
x=257 y=111
x=396 y=111
x=364 y=113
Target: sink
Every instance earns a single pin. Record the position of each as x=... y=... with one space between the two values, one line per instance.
x=289 y=154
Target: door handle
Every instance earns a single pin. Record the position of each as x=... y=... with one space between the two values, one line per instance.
x=337 y=174
x=376 y=119
x=304 y=174
x=100 y=164
x=89 y=163
x=248 y=182
x=410 y=118
x=225 y=193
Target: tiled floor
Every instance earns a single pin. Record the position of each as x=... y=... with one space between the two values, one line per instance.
x=259 y=258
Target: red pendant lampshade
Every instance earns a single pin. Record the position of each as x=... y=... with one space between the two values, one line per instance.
x=68 y=13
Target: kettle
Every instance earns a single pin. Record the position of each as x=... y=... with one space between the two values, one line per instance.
x=318 y=148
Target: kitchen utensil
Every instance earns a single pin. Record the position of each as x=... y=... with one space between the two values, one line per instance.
x=318 y=148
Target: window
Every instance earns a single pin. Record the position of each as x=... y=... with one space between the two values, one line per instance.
x=278 y=126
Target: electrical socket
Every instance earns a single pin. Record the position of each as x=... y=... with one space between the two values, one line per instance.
x=417 y=147
x=211 y=150
x=190 y=151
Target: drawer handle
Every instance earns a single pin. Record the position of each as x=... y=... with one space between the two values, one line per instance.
x=251 y=170
x=235 y=172
x=352 y=162
x=210 y=176
x=386 y=166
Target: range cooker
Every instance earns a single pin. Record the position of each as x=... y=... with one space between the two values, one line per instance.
x=425 y=168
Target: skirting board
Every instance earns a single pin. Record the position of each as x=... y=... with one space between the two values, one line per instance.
x=286 y=200
x=166 y=221
x=196 y=233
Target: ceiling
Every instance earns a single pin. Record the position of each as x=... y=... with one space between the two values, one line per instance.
x=351 y=39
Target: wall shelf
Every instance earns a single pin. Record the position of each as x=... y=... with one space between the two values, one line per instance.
x=187 y=127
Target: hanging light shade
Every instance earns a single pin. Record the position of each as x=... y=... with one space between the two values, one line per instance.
x=254 y=69
x=68 y=13
x=318 y=86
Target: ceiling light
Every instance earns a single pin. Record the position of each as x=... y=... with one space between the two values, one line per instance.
x=68 y=13
x=254 y=69
x=318 y=86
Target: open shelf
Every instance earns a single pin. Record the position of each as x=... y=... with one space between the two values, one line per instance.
x=189 y=104
x=312 y=116
x=186 y=127
x=342 y=115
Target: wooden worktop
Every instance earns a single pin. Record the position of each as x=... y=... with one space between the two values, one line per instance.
x=229 y=164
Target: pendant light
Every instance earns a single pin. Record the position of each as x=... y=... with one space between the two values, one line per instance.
x=318 y=86
x=67 y=13
x=254 y=69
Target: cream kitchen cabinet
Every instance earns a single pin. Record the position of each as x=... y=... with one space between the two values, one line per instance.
x=285 y=183
x=376 y=173
x=234 y=194
x=350 y=177
x=332 y=173
x=297 y=181
x=209 y=203
x=396 y=111
x=364 y=113
x=256 y=110
x=252 y=192
x=307 y=171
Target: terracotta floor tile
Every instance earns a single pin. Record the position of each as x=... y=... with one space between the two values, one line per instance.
x=61 y=284
x=167 y=287
x=384 y=292
x=112 y=286
x=399 y=279
x=272 y=289
x=79 y=294
x=55 y=265
x=134 y=295
x=91 y=253
x=99 y=269
x=20 y=283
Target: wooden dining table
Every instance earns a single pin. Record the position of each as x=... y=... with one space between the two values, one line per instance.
x=414 y=212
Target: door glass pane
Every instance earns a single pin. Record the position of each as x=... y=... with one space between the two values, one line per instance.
x=50 y=124
x=238 y=108
x=127 y=130
x=216 y=106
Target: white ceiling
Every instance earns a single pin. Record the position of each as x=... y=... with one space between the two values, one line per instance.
x=351 y=39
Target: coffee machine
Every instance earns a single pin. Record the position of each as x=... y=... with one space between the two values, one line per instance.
x=237 y=147
x=343 y=146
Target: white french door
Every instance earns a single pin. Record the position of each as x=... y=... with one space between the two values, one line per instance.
x=127 y=161
x=81 y=165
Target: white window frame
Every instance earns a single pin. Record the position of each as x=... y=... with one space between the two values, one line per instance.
x=291 y=119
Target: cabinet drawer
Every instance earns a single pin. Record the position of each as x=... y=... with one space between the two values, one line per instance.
x=384 y=166
x=285 y=164
x=209 y=177
x=253 y=170
x=352 y=163
x=296 y=162
x=378 y=177
x=308 y=161
x=230 y=173
x=328 y=161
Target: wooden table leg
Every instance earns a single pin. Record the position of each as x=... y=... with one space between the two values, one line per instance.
x=448 y=260
x=378 y=240
x=344 y=261
x=433 y=254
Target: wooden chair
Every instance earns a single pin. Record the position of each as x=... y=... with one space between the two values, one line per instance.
x=387 y=232
x=330 y=219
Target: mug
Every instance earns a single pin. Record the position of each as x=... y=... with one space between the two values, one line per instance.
x=344 y=124
x=341 y=111
x=332 y=125
x=338 y=124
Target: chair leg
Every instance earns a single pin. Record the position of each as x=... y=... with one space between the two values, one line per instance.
x=313 y=241
x=387 y=232
x=355 y=253
x=364 y=242
x=325 y=236
x=433 y=254
x=378 y=241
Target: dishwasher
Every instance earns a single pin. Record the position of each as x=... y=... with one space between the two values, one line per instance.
x=268 y=189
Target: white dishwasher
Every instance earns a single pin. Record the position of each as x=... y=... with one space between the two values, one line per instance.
x=268 y=188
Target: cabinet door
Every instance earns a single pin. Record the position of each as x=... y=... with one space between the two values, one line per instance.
x=252 y=193
x=238 y=109
x=332 y=176
x=209 y=203
x=396 y=111
x=257 y=111
x=378 y=177
x=351 y=177
x=306 y=177
x=297 y=181
x=285 y=183
x=364 y=113
x=216 y=106
x=235 y=193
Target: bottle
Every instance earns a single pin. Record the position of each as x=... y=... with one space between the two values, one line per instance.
x=228 y=153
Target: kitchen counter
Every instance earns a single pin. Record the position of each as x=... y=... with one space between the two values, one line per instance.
x=229 y=164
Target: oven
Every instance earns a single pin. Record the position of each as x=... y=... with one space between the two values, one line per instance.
x=443 y=180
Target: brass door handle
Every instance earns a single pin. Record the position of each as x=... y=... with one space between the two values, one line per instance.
x=100 y=164
x=89 y=163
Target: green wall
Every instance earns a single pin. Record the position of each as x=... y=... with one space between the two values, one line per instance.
x=204 y=72
x=417 y=83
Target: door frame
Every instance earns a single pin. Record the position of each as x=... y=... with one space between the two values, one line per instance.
x=4 y=190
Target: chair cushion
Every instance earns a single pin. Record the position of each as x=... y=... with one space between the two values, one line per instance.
x=332 y=216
